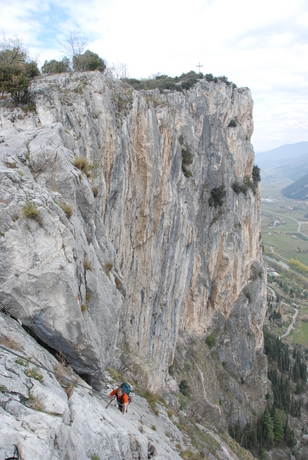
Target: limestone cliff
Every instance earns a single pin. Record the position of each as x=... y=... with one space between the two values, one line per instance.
x=125 y=249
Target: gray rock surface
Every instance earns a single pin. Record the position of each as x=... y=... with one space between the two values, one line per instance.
x=42 y=420
x=143 y=257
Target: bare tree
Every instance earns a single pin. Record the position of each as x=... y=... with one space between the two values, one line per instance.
x=75 y=43
x=118 y=70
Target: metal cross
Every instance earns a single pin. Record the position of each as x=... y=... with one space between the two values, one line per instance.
x=199 y=65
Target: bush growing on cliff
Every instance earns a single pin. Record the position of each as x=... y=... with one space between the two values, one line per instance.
x=184 y=388
x=54 y=67
x=211 y=340
x=187 y=159
x=248 y=183
x=88 y=61
x=256 y=176
x=217 y=196
x=163 y=82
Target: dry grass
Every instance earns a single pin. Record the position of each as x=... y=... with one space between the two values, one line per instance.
x=35 y=404
x=87 y=265
x=10 y=165
x=88 y=296
x=34 y=374
x=83 y=164
x=31 y=211
x=67 y=209
x=108 y=267
x=8 y=342
x=83 y=308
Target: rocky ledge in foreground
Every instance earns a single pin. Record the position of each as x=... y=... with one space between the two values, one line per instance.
x=47 y=412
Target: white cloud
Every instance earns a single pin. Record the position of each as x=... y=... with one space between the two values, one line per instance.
x=260 y=44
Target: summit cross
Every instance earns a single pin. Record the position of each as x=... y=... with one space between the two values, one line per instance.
x=199 y=65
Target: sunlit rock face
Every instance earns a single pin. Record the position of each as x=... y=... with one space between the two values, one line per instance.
x=147 y=253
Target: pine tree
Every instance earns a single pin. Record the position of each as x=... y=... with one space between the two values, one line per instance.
x=278 y=428
x=268 y=428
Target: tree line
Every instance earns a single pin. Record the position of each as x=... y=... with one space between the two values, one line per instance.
x=272 y=427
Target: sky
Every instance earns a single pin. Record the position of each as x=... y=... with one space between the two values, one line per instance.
x=261 y=44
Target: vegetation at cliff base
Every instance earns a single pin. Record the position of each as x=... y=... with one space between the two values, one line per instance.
x=288 y=380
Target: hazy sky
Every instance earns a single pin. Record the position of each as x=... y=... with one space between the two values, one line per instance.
x=261 y=44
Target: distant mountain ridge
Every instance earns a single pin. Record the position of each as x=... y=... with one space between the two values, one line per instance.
x=286 y=151
x=288 y=161
x=298 y=190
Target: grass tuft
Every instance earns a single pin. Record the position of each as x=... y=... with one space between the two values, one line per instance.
x=67 y=209
x=84 y=165
x=31 y=211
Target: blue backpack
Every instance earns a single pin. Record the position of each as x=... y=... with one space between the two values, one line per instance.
x=125 y=387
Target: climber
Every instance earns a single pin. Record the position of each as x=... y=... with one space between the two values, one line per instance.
x=123 y=398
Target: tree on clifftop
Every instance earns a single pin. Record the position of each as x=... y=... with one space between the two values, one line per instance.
x=53 y=66
x=82 y=60
x=16 y=68
x=88 y=61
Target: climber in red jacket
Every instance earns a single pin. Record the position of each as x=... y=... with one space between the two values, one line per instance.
x=122 y=399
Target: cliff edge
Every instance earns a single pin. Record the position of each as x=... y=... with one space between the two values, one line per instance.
x=130 y=220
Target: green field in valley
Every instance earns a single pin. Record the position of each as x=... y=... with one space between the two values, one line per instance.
x=284 y=224
x=284 y=227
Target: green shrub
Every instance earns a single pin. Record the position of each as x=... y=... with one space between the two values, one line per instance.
x=16 y=69
x=88 y=61
x=256 y=176
x=35 y=374
x=240 y=188
x=54 y=67
x=187 y=159
x=162 y=82
x=217 y=196
x=186 y=171
x=211 y=340
x=209 y=77
x=184 y=388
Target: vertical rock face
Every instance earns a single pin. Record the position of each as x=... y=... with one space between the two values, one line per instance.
x=147 y=251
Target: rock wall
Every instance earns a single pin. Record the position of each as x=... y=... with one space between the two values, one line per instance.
x=144 y=255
